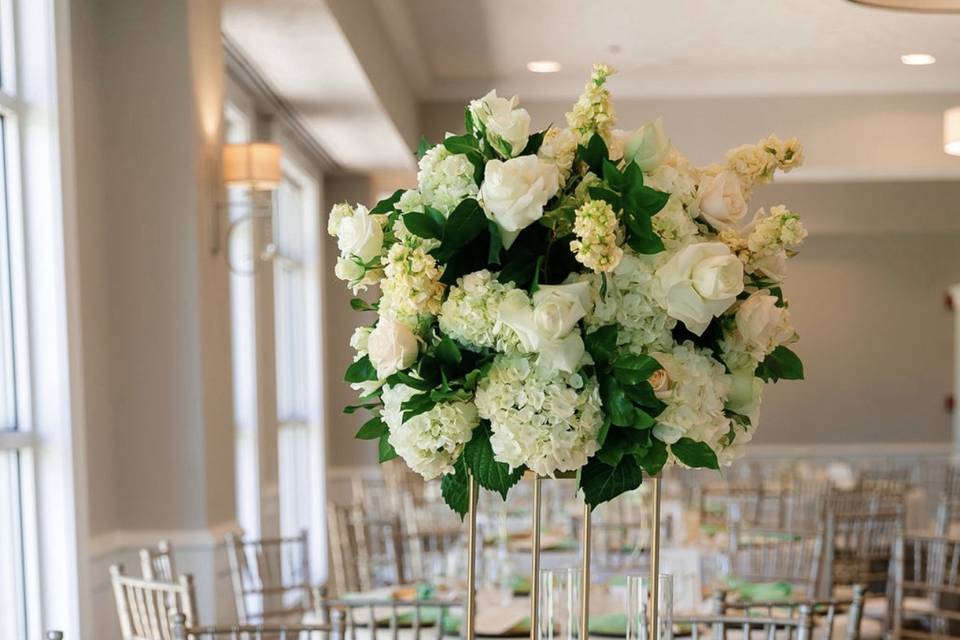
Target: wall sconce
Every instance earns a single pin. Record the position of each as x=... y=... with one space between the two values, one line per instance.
x=251 y=173
x=951 y=131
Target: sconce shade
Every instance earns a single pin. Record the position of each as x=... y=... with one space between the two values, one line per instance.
x=951 y=131
x=254 y=164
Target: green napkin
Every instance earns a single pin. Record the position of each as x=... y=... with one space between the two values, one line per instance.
x=405 y=619
x=451 y=627
x=761 y=591
x=609 y=624
x=520 y=585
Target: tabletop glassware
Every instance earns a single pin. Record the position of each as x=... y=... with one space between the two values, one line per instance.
x=560 y=613
x=638 y=605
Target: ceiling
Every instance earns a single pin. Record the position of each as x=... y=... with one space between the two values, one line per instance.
x=458 y=49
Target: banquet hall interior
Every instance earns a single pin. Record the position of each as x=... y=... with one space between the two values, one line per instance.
x=174 y=328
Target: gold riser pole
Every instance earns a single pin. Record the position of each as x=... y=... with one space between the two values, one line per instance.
x=655 y=560
x=585 y=575
x=471 y=613
x=535 y=562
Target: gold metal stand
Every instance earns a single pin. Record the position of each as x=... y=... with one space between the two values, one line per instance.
x=535 y=562
x=471 y=612
x=655 y=560
x=585 y=575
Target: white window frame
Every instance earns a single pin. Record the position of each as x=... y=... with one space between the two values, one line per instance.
x=43 y=270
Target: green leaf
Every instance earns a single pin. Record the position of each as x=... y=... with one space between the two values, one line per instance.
x=455 y=488
x=632 y=177
x=468 y=120
x=603 y=433
x=534 y=142
x=465 y=144
x=694 y=454
x=612 y=176
x=519 y=267
x=496 y=243
x=492 y=475
x=402 y=377
x=386 y=205
x=780 y=364
x=646 y=201
x=616 y=405
x=601 y=482
x=642 y=395
x=640 y=234
x=361 y=371
x=372 y=429
x=599 y=193
x=423 y=147
x=386 y=450
x=448 y=352
x=653 y=459
x=359 y=304
x=465 y=223
x=353 y=408
x=631 y=369
x=602 y=344
x=420 y=403
x=594 y=154
x=623 y=442
x=423 y=225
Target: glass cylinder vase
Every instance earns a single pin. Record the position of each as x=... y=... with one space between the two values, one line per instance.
x=638 y=607
x=559 y=610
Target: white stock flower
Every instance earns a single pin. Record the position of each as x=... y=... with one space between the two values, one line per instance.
x=411 y=285
x=507 y=127
x=540 y=418
x=781 y=228
x=674 y=225
x=559 y=148
x=514 y=193
x=720 y=200
x=547 y=328
x=360 y=235
x=752 y=163
x=593 y=112
x=762 y=326
x=471 y=313
x=445 y=179
x=700 y=282
x=431 y=441
x=648 y=146
x=392 y=347
x=596 y=226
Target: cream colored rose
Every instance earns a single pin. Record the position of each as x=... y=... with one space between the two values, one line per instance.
x=504 y=122
x=558 y=308
x=648 y=146
x=660 y=381
x=514 y=193
x=700 y=282
x=392 y=346
x=720 y=200
x=762 y=324
x=773 y=266
x=360 y=235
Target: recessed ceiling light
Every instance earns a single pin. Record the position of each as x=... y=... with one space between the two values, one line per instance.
x=544 y=66
x=917 y=59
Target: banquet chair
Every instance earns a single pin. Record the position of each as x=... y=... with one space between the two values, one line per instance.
x=620 y=532
x=779 y=555
x=721 y=627
x=829 y=616
x=952 y=482
x=145 y=607
x=54 y=635
x=804 y=503
x=926 y=588
x=157 y=563
x=393 y=619
x=889 y=481
x=858 y=548
x=426 y=539
x=367 y=552
x=270 y=578
x=271 y=631
x=948 y=514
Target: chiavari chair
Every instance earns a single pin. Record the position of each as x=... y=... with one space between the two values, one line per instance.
x=926 y=588
x=157 y=563
x=270 y=577
x=272 y=631
x=145 y=607
x=948 y=514
x=778 y=555
x=389 y=619
x=620 y=532
x=367 y=551
x=804 y=503
x=828 y=615
x=952 y=482
x=426 y=539
x=720 y=627
x=858 y=548
x=54 y=635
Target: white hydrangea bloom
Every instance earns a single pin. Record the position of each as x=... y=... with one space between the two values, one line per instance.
x=545 y=420
x=429 y=442
x=470 y=314
x=409 y=201
x=445 y=179
x=695 y=395
x=631 y=302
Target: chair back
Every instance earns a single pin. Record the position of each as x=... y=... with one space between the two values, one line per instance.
x=778 y=555
x=54 y=635
x=271 y=631
x=805 y=502
x=145 y=607
x=391 y=619
x=926 y=588
x=951 y=486
x=948 y=514
x=859 y=546
x=890 y=481
x=270 y=577
x=367 y=551
x=717 y=627
x=157 y=564
x=825 y=613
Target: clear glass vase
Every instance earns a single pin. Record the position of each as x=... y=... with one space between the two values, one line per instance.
x=559 y=604
x=638 y=607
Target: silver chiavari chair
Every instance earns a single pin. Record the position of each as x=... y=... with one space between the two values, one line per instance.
x=948 y=514
x=620 y=532
x=54 y=635
x=270 y=578
x=368 y=551
x=145 y=607
x=157 y=563
x=952 y=482
x=716 y=627
x=779 y=555
x=926 y=588
x=427 y=536
x=271 y=631
x=828 y=615
x=858 y=548
x=804 y=503
x=390 y=619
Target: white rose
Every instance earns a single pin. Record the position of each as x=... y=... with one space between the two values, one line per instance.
x=360 y=235
x=504 y=122
x=558 y=308
x=700 y=282
x=773 y=266
x=392 y=346
x=648 y=146
x=514 y=193
x=348 y=270
x=720 y=200
x=547 y=328
x=761 y=323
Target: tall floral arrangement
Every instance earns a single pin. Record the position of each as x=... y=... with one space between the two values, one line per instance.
x=578 y=299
